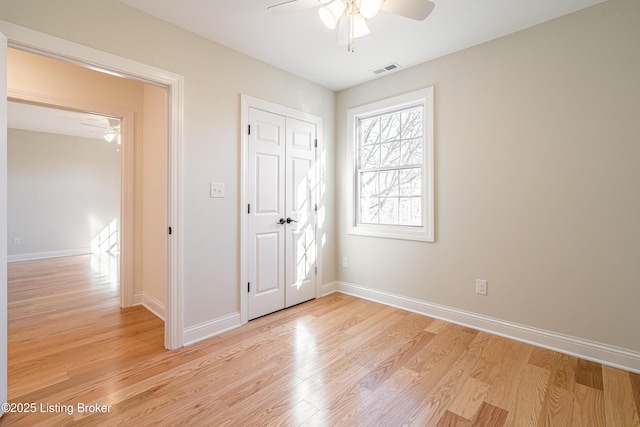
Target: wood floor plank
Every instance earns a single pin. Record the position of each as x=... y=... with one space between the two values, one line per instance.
x=557 y=409
x=337 y=360
x=450 y=419
x=469 y=399
x=385 y=369
x=543 y=358
x=487 y=368
x=563 y=372
x=502 y=393
x=439 y=399
x=588 y=407
x=375 y=404
x=635 y=385
x=589 y=373
x=490 y=416
x=619 y=405
x=530 y=397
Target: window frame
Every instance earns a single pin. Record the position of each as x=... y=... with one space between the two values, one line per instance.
x=425 y=233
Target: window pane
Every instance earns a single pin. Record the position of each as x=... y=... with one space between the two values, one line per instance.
x=390 y=127
x=412 y=152
x=370 y=156
x=370 y=130
x=412 y=123
x=390 y=154
x=411 y=182
x=389 y=184
x=368 y=184
x=369 y=210
x=411 y=211
x=389 y=211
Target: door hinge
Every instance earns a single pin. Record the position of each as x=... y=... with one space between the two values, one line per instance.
x=249 y=208
x=170 y=230
x=249 y=129
x=316 y=270
x=315 y=207
x=316 y=144
x=248 y=286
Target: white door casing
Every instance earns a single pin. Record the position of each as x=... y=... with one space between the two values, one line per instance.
x=279 y=174
x=3 y=221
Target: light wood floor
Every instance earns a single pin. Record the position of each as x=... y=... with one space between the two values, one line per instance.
x=337 y=360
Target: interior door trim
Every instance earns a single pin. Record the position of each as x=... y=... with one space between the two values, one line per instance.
x=247 y=102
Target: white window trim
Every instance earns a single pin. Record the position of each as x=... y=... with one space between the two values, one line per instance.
x=426 y=232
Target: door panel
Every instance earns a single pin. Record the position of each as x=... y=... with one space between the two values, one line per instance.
x=268 y=188
x=266 y=196
x=268 y=274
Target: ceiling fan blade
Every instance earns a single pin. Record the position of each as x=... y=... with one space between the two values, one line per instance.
x=414 y=9
x=290 y=6
x=94 y=126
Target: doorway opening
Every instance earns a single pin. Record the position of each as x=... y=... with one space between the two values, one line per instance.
x=65 y=197
x=63 y=179
x=171 y=87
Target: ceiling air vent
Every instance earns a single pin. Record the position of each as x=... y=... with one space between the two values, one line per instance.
x=391 y=67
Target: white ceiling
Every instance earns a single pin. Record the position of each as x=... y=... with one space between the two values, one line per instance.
x=51 y=120
x=300 y=44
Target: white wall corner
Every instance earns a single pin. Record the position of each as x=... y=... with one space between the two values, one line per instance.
x=584 y=349
x=211 y=328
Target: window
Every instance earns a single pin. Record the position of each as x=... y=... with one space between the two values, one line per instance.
x=391 y=153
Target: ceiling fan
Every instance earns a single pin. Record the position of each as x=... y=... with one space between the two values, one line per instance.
x=110 y=131
x=350 y=16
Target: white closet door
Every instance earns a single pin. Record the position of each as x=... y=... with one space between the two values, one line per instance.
x=281 y=225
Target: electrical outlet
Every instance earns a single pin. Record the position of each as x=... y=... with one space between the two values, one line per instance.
x=481 y=287
x=345 y=262
x=16 y=241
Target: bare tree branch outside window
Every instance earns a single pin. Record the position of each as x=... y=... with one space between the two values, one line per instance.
x=390 y=167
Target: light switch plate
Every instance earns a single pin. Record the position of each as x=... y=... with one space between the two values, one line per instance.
x=216 y=190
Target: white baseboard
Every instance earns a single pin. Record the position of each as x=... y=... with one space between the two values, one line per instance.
x=584 y=349
x=151 y=304
x=329 y=288
x=214 y=327
x=50 y=254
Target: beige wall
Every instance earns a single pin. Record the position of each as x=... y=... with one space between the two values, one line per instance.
x=154 y=200
x=214 y=78
x=57 y=81
x=537 y=179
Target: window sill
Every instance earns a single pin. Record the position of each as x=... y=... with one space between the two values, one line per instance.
x=400 y=233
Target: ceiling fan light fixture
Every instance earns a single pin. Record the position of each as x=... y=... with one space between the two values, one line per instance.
x=110 y=136
x=331 y=13
x=369 y=8
x=359 y=26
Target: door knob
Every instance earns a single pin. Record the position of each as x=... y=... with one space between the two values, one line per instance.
x=282 y=221
x=289 y=220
